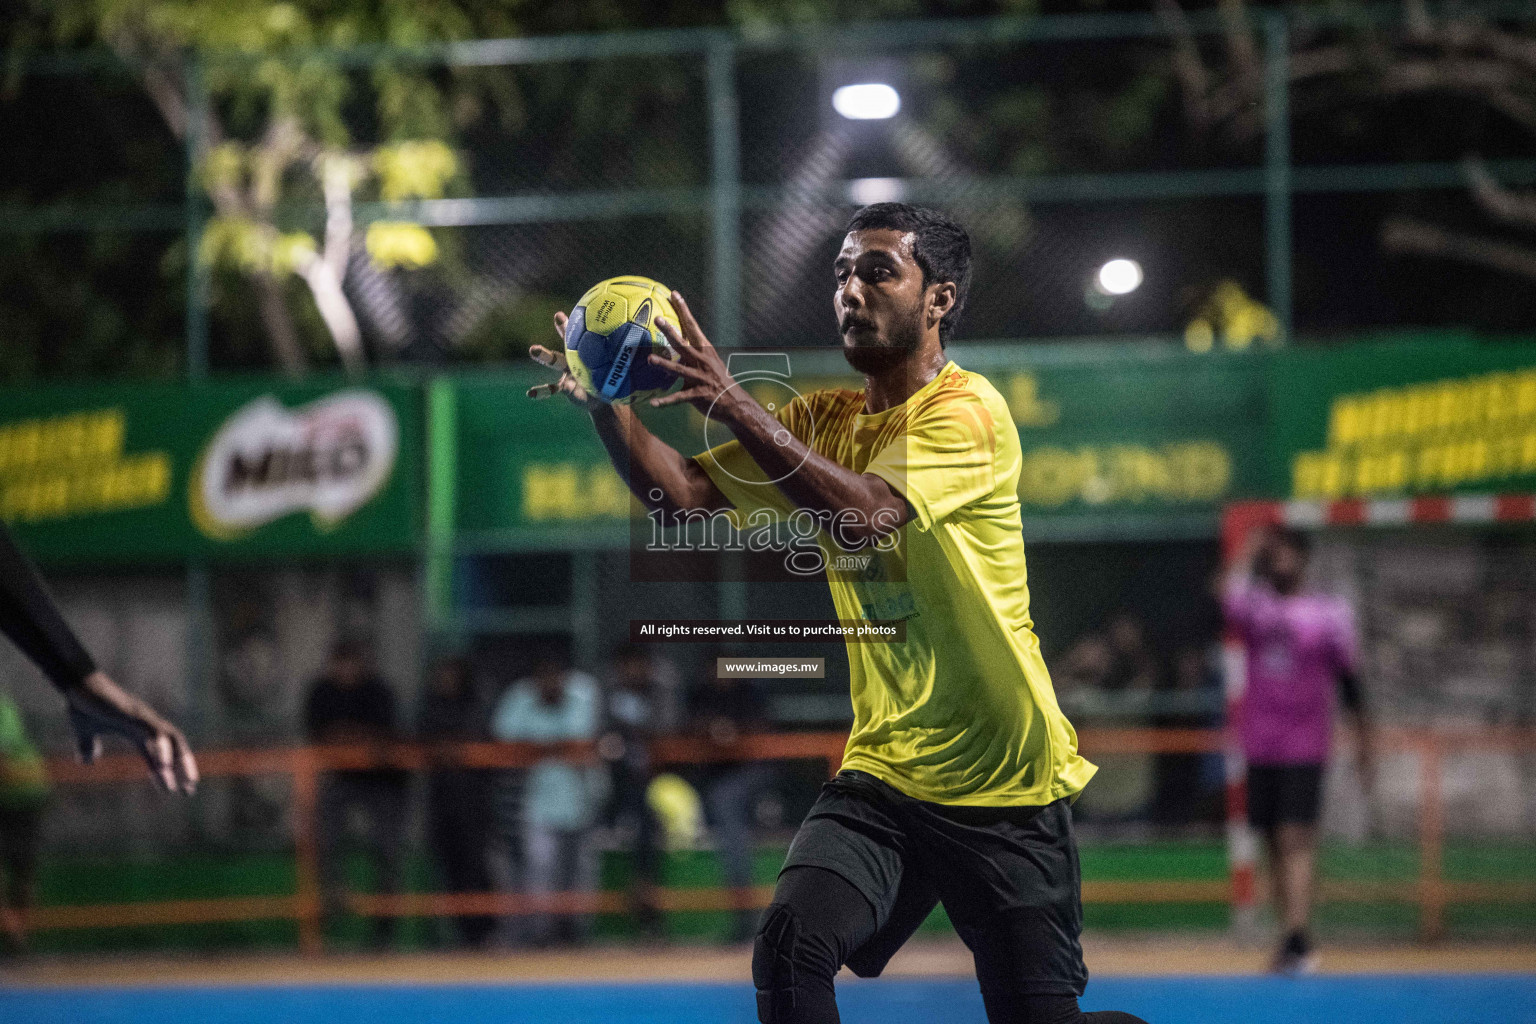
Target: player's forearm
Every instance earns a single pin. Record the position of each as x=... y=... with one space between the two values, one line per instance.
x=647 y=464
x=814 y=482
x=100 y=695
x=30 y=618
x=1239 y=574
x=1237 y=577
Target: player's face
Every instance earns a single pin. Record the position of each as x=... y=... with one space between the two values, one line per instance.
x=1285 y=565
x=879 y=297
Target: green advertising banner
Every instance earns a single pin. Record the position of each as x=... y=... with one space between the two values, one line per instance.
x=1118 y=441
x=538 y=464
x=1108 y=432
x=1431 y=417
x=134 y=472
x=1134 y=430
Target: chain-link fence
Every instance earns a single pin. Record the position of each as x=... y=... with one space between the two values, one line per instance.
x=715 y=162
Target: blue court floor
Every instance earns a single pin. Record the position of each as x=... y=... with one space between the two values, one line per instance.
x=1374 y=999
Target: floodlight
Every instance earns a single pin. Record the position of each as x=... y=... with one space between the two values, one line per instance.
x=865 y=191
x=1118 y=277
x=869 y=101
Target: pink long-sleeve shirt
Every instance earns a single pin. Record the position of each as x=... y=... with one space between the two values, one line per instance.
x=1297 y=646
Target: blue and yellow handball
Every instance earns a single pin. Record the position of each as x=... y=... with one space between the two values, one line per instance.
x=611 y=332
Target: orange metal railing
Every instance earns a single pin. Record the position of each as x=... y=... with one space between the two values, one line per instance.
x=304 y=765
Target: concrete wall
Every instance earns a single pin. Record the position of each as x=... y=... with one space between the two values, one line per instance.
x=271 y=631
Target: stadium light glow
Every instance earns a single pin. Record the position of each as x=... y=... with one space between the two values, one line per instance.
x=875 y=190
x=869 y=101
x=1118 y=277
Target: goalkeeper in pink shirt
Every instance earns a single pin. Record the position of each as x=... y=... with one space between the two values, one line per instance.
x=1302 y=653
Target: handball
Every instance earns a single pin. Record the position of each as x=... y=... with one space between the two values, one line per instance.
x=611 y=332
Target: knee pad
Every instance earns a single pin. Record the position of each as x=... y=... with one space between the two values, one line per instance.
x=773 y=964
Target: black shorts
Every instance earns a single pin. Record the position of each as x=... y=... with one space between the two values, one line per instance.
x=1008 y=876
x=1284 y=794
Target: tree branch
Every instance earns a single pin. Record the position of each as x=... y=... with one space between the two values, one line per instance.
x=1194 y=77
x=164 y=81
x=1459 y=38
x=1517 y=109
x=281 y=145
x=1239 y=40
x=1495 y=82
x=1502 y=203
x=1407 y=235
x=338 y=176
x=167 y=98
x=278 y=321
x=1416 y=17
x=1509 y=46
x=335 y=310
x=1321 y=61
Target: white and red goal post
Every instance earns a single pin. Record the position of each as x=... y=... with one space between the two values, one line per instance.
x=1239 y=519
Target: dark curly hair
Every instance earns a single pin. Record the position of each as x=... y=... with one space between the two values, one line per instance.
x=941 y=246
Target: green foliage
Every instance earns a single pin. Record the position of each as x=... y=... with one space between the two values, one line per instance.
x=286 y=114
x=284 y=119
x=1033 y=122
x=225 y=166
x=762 y=14
x=398 y=244
x=88 y=304
x=505 y=333
x=1127 y=117
x=414 y=170
x=254 y=248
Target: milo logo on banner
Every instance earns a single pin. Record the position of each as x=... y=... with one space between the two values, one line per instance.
x=329 y=458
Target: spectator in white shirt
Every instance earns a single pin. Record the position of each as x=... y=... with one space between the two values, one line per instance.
x=554 y=704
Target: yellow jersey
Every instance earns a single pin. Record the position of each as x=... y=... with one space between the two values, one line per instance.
x=962 y=711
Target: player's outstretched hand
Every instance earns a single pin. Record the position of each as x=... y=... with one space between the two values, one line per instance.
x=705 y=376
x=554 y=359
x=99 y=706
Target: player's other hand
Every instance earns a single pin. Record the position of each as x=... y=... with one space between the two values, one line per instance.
x=555 y=360
x=98 y=706
x=706 y=380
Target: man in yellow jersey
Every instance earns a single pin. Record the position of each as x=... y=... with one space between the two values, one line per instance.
x=960 y=767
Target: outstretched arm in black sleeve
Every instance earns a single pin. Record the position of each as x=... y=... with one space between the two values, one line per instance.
x=97 y=705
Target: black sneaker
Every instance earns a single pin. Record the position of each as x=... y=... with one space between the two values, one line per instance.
x=1295 y=956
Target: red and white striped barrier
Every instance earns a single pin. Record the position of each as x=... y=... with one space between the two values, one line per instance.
x=1238 y=520
x=1462 y=508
